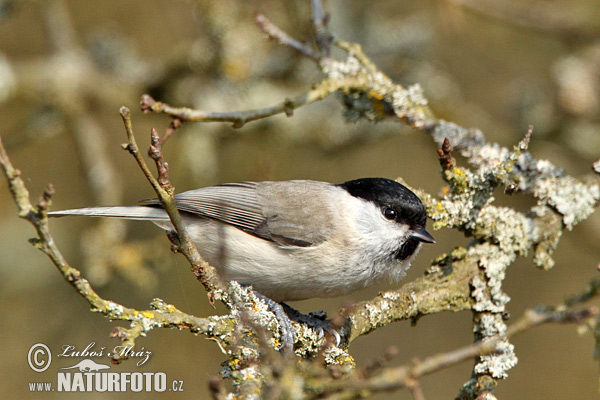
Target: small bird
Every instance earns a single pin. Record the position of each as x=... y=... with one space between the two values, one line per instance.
x=298 y=239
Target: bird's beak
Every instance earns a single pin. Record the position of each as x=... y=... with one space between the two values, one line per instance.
x=422 y=236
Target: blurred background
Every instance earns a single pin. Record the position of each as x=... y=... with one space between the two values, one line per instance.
x=66 y=67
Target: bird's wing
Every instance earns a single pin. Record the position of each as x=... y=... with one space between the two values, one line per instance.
x=297 y=212
x=273 y=211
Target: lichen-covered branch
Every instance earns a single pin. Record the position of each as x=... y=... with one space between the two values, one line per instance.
x=502 y=234
x=160 y=314
x=445 y=287
x=393 y=378
x=365 y=91
x=240 y=118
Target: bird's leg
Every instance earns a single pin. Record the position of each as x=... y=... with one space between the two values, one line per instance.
x=284 y=314
x=288 y=334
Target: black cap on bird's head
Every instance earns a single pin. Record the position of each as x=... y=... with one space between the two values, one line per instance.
x=397 y=203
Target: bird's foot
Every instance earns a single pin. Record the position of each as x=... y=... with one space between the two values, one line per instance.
x=314 y=320
x=288 y=334
x=285 y=314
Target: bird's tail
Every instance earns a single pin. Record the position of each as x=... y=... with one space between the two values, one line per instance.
x=124 y=212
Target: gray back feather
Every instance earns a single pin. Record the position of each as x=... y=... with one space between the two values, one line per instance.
x=275 y=211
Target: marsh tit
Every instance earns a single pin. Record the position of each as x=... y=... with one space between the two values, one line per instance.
x=299 y=239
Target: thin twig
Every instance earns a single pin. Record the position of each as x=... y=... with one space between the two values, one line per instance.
x=320 y=19
x=415 y=389
x=592 y=291
x=173 y=126
x=342 y=77
x=275 y=33
x=205 y=273
x=240 y=118
x=377 y=364
x=155 y=153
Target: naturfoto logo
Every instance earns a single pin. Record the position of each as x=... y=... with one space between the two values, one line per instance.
x=88 y=375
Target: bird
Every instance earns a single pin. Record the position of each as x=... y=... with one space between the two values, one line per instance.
x=295 y=239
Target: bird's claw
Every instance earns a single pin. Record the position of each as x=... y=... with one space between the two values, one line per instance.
x=288 y=333
x=316 y=321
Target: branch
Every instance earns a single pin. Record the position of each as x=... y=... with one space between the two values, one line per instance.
x=160 y=315
x=203 y=271
x=320 y=19
x=405 y=376
x=445 y=287
x=366 y=92
x=240 y=118
x=274 y=33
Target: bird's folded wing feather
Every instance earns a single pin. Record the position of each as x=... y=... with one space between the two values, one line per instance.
x=270 y=210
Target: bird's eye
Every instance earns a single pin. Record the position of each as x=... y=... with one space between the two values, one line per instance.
x=389 y=213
